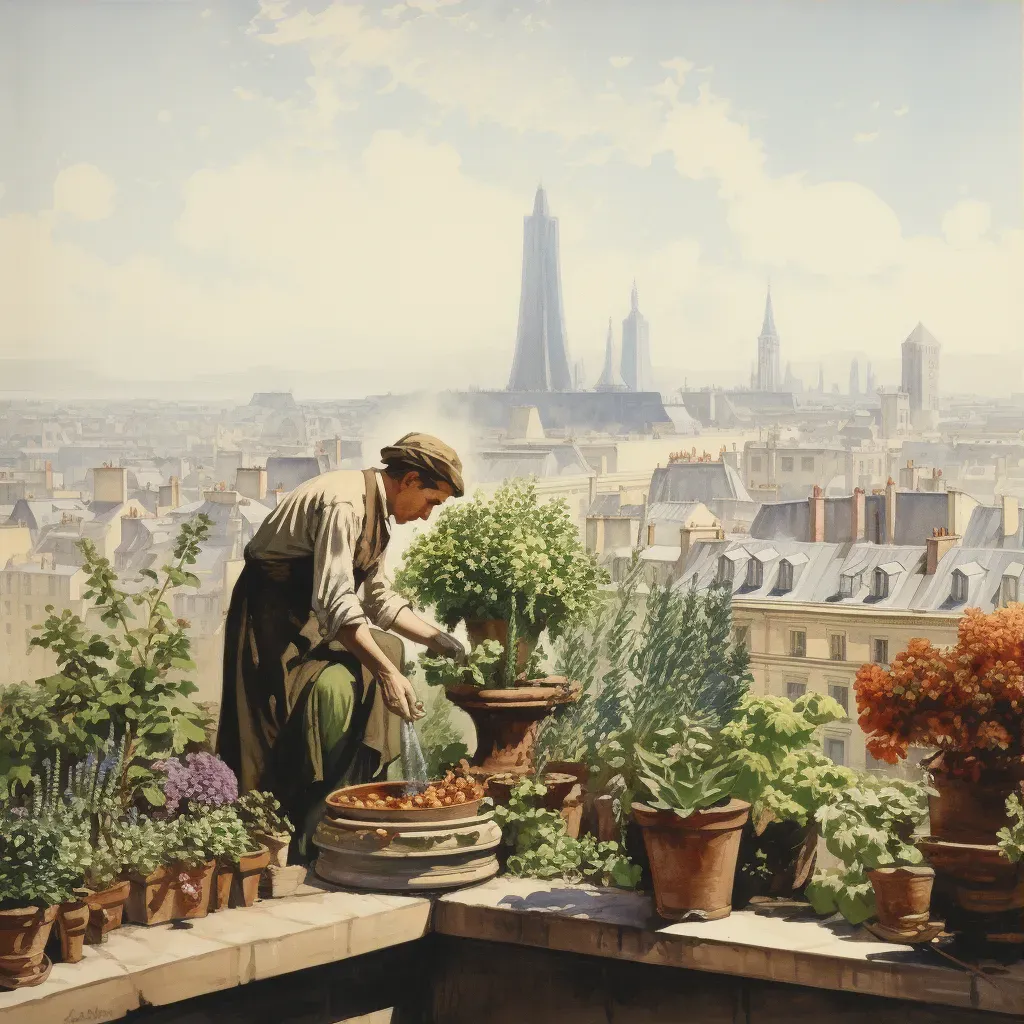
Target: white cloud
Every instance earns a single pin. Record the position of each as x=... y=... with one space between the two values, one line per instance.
x=83 y=191
x=203 y=131
x=206 y=12
x=164 y=116
x=244 y=94
x=620 y=62
x=863 y=137
x=876 y=104
x=901 y=111
x=967 y=223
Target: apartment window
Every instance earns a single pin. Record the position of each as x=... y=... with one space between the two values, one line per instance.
x=840 y=693
x=835 y=750
x=807 y=463
x=755 y=464
x=794 y=691
x=961 y=586
x=743 y=635
x=10 y=584
x=849 y=584
x=26 y=584
x=755 y=573
x=726 y=569
x=797 y=643
x=1009 y=585
x=786 y=464
x=837 y=646
x=880 y=651
x=51 y=586
x=785 y=582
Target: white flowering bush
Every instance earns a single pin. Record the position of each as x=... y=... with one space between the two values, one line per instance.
x=510 y=557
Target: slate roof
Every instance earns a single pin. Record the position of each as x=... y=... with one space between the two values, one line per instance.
x=609 y=506
x=697 y=481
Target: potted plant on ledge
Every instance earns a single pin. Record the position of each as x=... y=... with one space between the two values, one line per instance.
x=509 y=568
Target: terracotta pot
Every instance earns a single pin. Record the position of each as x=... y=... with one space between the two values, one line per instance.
x=72 y=922
x=480 y=630
x=980 y=879
x=693 y=859
x=903 y=896
x=23 y=935
x=790 y=853
x=171 y=893
x=245 y=877
x=607 y=827
x=507 y=720
x=277 y=845
x=277 y=882
x=969 y=812
x=106 y=910
x=220 y=887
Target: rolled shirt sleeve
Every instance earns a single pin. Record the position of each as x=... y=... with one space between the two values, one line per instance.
x=335 y=601
x=381 y=601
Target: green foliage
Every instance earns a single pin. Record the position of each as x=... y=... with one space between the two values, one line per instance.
x=209 y=833
x=260 y=813
x=128 y=679
x=480 y=668
x=866 y=826
x=1011 y=838
x=542 y=848
x=40 y=859
x=510 y=556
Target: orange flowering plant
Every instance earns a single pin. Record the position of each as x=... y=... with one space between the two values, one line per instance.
x=967 y=701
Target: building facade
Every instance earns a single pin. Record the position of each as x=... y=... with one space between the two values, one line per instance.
x=921 y=376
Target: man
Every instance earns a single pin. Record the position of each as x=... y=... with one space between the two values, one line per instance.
x=295 y=716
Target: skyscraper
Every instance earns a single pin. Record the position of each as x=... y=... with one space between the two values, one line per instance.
x=854 y=378
x=636 y=347
x=921 y=370
x=768 y=350
x=541 y=361
x=611 y=380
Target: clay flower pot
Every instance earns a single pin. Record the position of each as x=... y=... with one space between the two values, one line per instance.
x=72 y=922
x=173 y=893
x=969 y=812
x=106 y=910
x=480 y=630
x=693 y=859
x=220 y=888
x=277 y=845
x=506 y=720
x=245 y=877
x=903 y=896
x=23 y=935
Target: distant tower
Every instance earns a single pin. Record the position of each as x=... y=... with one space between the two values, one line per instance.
x=869 y=384
x=921 y=370
x=636 y=347
x=768 y=378
x=821 y=379
x=854 y=378
x=542 y=352
x=579 y=375
x=610 y=380
x=787 y=381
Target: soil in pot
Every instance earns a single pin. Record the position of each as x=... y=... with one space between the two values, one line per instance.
x=903 y=896
x=245 y=877
x=72 y=922
x=693 y=859
x=106 y=911
x=171 y=893
x=23 y=935
x=779 y=862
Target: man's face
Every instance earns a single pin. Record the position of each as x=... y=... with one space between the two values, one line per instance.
x=414 y=501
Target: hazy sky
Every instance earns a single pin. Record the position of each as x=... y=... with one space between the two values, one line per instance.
x=220 y=184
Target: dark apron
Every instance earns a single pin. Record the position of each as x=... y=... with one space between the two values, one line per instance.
x=272 y=659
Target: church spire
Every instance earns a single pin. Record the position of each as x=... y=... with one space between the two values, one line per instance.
x=611 y=379
x=768 y=327
x=634 y=299
x=540 y=202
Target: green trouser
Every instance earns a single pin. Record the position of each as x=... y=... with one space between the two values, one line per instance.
x=329 y=727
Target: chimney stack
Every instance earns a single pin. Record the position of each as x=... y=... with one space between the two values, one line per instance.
x=816 y=505
x=650 y=535
x=857 y=515
x=110 y=483
x=890 y=512
x=251 y=483
x=1011 y=516
x=937 y=545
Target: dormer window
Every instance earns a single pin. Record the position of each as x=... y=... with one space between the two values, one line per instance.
x=884 y=579
x=965 y=579
x=961 y=586
x=726 y=569
x=755 y=573
x=1009 y=585
x=850 y=582
x=789 y=571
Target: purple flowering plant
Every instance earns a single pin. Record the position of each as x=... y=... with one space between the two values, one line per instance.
x=197 y=778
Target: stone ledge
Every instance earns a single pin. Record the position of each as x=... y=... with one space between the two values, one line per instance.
x=165 y=964
x=751 y=944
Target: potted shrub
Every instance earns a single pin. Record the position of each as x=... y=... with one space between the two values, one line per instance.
x=691 y=823
x=39 y=868
x=261 y=815
x=967 y=703
x=509 y=568
x=869 y=828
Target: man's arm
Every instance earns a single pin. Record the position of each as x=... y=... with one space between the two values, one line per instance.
x=409 y=625
x=399 y=696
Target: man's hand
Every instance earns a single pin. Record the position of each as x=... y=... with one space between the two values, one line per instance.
x=445 y=645
x=399 y=696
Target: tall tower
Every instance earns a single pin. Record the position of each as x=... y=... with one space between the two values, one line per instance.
x=854 y=378
x=610 y=380
x=636 y=347
x=768 y=350
x=821 y=379
x=869 y=384
x=921 y=370
x=541 y=361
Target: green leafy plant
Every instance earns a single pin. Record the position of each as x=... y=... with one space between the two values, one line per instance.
x=260 y=813
x=40 y=859
x=509 y=557
x=480 y=668
x=1011 y=837
x=541 y=847
x=867 y=826
x=130 y=678
x=206 y=833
